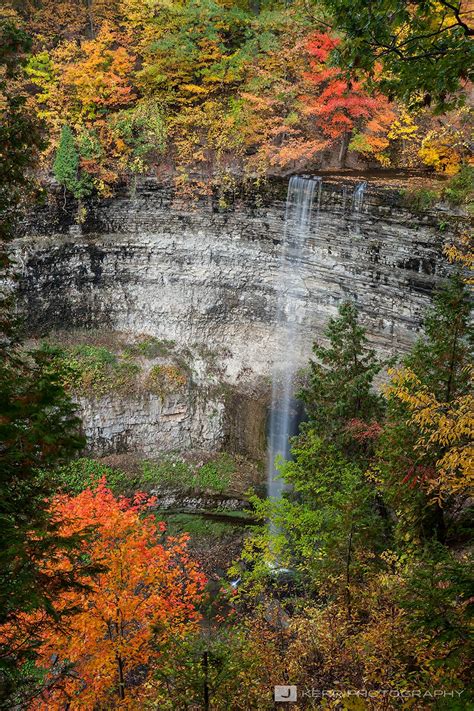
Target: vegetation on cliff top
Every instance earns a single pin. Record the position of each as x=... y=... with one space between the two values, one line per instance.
x=205 y=89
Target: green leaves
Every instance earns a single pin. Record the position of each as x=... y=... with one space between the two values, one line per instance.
x=66 y=166
x=339 y=388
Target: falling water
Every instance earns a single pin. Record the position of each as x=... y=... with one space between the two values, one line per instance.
x=284 y=410
x=358 y=197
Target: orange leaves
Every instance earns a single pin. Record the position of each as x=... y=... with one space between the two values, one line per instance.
x=100 y=77
x=148 y=588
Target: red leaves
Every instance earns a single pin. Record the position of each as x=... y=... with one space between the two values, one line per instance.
x=363 y=431
x=146 y=591
x=339 y=104
x=320 y=45
x=418 y=475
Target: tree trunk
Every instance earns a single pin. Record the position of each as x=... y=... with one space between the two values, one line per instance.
x=348 y=574
x=121 y=678
x=90 y=17
x=344 y=148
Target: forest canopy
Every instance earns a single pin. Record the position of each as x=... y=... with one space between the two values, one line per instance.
x=206 y=90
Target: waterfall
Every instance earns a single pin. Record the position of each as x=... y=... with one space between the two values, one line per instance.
x=358 y=197
x=284 y=422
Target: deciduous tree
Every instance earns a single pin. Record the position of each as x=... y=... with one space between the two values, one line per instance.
x=425 y=47
x=149 y=590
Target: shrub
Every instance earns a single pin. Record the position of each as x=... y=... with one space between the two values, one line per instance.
x=91 y=369
x=460 y=190
x=151 y=347
x=419 y=199
x=165 y=379
x=175 y=473
x=84 y=472
x=215 y=475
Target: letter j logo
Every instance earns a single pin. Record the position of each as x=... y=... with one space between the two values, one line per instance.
x=285 y=693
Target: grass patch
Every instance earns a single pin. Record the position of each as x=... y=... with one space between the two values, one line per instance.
x=196 y=526
x=214 y=476
x=419 y=199
x=91 y=369
x=84 y=472
x=151 y=347
x=460 y=190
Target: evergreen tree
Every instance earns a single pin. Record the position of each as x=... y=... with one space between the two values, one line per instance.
x=441 y=357
x=339 y=389
x=66 y=162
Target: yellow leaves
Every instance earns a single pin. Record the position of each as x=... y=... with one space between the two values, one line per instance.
x=403 y=127
x=99 y=74
x=462 y=253
x=444 y=150
x=194 y=89
x=445 y=427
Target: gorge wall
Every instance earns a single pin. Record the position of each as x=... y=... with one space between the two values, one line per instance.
x=204 y=275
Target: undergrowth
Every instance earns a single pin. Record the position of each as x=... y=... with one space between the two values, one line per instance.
x=88 y=369
x=215 y=475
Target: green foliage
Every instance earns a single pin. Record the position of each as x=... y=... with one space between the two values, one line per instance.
x=420 y=199
x=79 y=474
x=328 y=527
x=339 y=388
x=441 y=360
x=66 y=166
x=460 y=190
x=19 y=133
x=38 y=423
x=214 y=475
x=437 y=594
x=196 y=526
x=151 y=347
x=370 y=555
x=217 y=664
x=143 y=129
x=173 y=472
x=92 y=369
x=38 y=429
x=441 y=357
x=66 y=162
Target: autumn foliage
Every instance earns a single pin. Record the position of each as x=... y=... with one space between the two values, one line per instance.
x=147 y=589
x=342 y=106
x=205 y=90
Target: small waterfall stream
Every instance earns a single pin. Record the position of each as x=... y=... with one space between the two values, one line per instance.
x=358 y=197
x=302 y=205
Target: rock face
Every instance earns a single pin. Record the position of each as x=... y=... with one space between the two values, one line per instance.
x=205 y=275
x=148 y=424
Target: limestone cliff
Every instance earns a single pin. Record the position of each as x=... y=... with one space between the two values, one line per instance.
x=206 y=274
